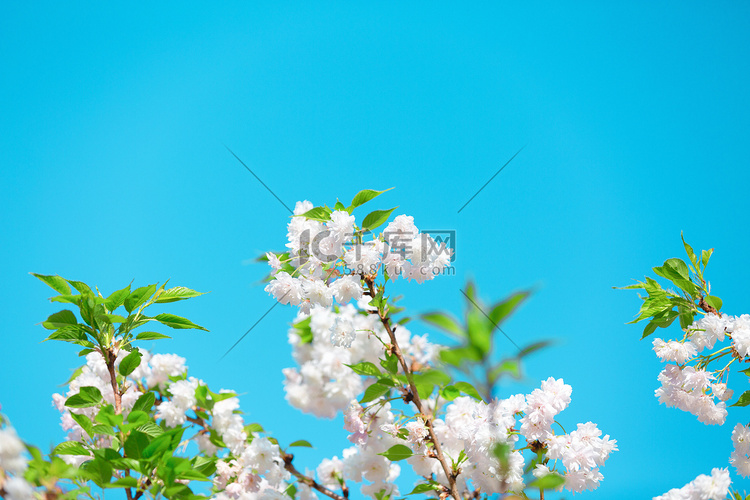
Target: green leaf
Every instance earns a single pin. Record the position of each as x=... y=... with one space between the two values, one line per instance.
x=503 y=309
x=151 y=336
x=449 y=393
x=158 y=446
x=82 y=287
x=177 y=293
x=374 y=392
x=376 y=218
x=107 y=416
x=457 y=355
x=67 y=299
x=71 y=448
x=480 y=331
x=100 y=471
x=60 y=319
x=69 y=333
x=424 y=488
x=744 y=400
x=251 y=428
x=86 y=397
x=363 y=197
x=145 y=402
x=177 y=322
x=397 y=452
x=365 y=368
x=714 y=302
x=302 y=443
x=135 y=444
x=432 y=376
x=390 y=363
x=548 y=482
x=116 y=299
x=138 y=297
x=445 y=322
x=510 y=366
x=689 y=251
x=57 y=283
x=705 y=255
x=322 y=214
x=123 y=482
x=151 y=429
x=679 y=267
x=130 y=363
x=137 y=417
x=468 y=389
x=84 y=422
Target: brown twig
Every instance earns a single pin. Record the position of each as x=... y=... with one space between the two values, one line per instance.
x=288 y=457
x=707 y=307
x=385 y=320
x=110 y=359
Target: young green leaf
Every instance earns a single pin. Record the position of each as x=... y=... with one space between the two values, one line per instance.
x=744 y=400
x=376 y=218
x=116 y=299
x=374 y=392
x=57 y=283
x=363 y=197
x=86 y=397
x=144 y=402
x=130 y=363
x=468 y=389
x=302 y=443
x=176 y=322
x=397 y=452
x=548 y=482
x=60 y=319
x=365 y=368
x=151 y=336
x=138 y=297
x=445 y=322
x=177 y=293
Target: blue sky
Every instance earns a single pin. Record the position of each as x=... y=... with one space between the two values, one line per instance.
x=634 y=117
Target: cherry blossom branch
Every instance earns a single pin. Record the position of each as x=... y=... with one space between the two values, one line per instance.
x=288 y=457
x=385 y=320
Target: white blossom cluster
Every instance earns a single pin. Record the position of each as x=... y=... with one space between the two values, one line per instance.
x=703 y=487
x=740 y=457
x=254 y=471
x=328 y=260
x=362 y=463
x=472 y=429
x=693 y=388
x=153 y=372
x=323 y=385
x=12 y=466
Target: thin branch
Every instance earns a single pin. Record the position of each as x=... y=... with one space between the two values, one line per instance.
x=308 y=480
x=385 y=320
x=111 y=357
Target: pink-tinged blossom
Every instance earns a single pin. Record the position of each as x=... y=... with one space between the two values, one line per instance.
x=347 y=288
x=273 y=261
x=354 y=424
x=703 y=487
x=678 y=352
x=740 y=457
x=685 y=388
x=342 y=332
x=740 y=329
x=285 y=289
